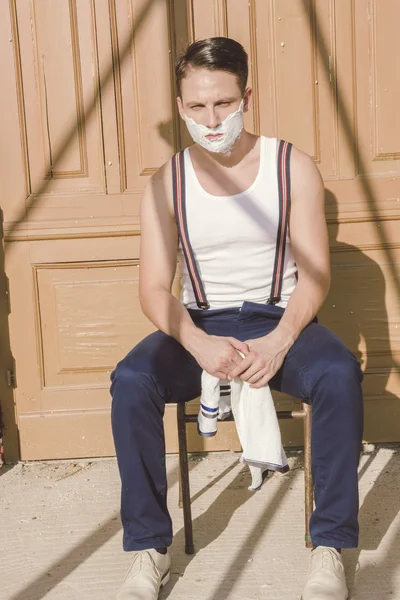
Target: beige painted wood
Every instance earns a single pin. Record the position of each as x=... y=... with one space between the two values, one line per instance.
x=88 y=113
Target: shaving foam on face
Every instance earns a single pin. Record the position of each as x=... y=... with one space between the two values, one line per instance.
x=229 y=131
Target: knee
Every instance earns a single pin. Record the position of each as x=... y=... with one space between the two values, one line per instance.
x=129 y=389
x=124 y=375
x=345 y=368
x=342 y=375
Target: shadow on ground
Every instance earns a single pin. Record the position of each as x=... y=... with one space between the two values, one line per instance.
x=379 y=509
x=6 y=468
x=213 y=522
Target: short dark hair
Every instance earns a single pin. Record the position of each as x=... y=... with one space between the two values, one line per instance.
x=216 y=54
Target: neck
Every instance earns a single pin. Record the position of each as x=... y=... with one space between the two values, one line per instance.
x=242 y=147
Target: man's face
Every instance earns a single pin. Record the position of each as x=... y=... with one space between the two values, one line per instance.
x=208 y=97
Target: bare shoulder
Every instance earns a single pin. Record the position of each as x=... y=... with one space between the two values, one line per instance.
x=304 y=174
x=306 y=184
x=159 y=187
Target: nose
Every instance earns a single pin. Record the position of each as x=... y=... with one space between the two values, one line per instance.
x=212 y=118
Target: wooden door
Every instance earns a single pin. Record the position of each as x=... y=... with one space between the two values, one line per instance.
x=82 y=124
x=324 y=77
x=88 y=113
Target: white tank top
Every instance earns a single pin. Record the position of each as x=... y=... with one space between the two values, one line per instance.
x=234 y=238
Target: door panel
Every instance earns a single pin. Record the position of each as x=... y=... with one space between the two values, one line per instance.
x=378 y=87
x=57 y=47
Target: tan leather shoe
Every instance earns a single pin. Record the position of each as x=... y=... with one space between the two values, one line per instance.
x=148 y=573
x=325 y=577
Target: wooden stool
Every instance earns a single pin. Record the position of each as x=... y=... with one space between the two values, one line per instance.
x=184 y=487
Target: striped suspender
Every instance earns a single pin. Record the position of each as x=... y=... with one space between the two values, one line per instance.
x=179 y=193
x=283 y=166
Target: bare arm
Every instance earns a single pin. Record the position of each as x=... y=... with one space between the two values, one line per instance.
x=310 y=246
x=158 y=258
x=309 y=240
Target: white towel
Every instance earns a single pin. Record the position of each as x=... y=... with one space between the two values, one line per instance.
x=256 y=423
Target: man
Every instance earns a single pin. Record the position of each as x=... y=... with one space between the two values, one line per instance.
x=254 y=276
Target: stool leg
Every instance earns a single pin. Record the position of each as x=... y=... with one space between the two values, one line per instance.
x=180 y=501
x=308 y=482
x=184 y=479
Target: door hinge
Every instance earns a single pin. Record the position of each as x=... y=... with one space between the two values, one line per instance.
x=10 y=378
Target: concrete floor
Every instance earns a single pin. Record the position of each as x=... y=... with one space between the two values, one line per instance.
x=61 y=534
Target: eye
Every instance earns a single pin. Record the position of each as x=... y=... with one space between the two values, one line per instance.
x=224 y=103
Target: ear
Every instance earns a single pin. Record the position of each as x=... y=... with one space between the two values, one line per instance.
x=248 y=99
x=180 y=108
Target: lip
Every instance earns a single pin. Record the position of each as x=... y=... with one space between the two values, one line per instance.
x=214 y=136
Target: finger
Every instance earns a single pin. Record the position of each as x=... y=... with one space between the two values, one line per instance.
x=250 y=372
x=261 y=382
x=252 y=344
x=257 y=376
x=238 y=345
x=231 y=362
x=240 y=368
x=236 y=359
x=220 y=374
x=253 y=371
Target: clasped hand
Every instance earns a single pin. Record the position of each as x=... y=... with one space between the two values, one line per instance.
x=263 y=360
x=254 y=361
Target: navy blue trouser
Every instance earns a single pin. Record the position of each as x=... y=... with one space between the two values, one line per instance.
x=318 y=368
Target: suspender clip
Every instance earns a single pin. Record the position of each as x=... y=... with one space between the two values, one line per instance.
x=203 y=305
